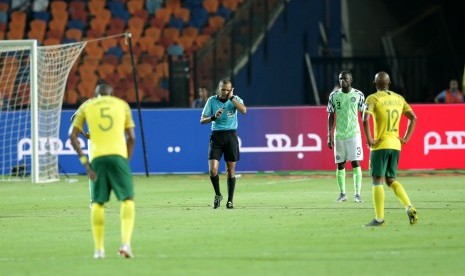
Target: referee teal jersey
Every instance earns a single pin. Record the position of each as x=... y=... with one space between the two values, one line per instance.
x=228 y=119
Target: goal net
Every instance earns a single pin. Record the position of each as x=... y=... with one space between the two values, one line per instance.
x=32 y=85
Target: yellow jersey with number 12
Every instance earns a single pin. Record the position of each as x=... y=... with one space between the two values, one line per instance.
x=107 y=117
x=387 y=108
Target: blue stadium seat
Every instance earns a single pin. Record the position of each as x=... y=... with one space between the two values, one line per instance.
x=68 y=40
x=45 y=16
x=118 y=10
x=224 y=12
x=199 y=17
x=115 y=51
x=75 y=24
x=177 y=23
x=3 y=17
x=115 y=6
x=193 y=4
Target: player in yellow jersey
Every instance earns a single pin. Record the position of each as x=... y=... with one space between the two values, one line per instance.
x=386 y=107
x=110 y=123
x=86 y=135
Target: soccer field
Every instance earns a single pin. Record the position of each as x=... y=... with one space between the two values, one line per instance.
x=282 y=224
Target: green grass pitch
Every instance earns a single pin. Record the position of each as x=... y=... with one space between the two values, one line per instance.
x=283 y=224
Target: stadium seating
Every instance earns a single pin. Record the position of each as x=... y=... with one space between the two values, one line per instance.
x=171 y=33
x=98 y=24
x=16 y=30
x=36 y=34
x=18 y=16
x=93 y=34
x=74 y=34
x=144 y=69
x=202 y=39
x=183 y=14
x=93 y=50
x=143 y=14
x=96 y=6
x=104 y=14
x=163 y=15
x=104 y=70
x=38 y=25
x=186 y=43
x=58 y=7
x=146 y=42
x=76 y=24
x=4 y=7
x=111 y=59
x=124 y=70
x=55 y=33
x=76 y=6
x=153 y=32
x=230 y=4
x=108 y=43
x=45 y=16
x=157 y=51
x=115 y=50
x=173 y=5
x=62 y=17
x=117 y=25
x=51 y=41
x=216 y=22
x=211 y=6
x=135 y=5
x=189 y=23
x=190 y=31
x=224 y=12
x=136 y=25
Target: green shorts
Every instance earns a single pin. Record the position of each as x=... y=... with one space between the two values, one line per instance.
x=384 y=162
x=113 y=173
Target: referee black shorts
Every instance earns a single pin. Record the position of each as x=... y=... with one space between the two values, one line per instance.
x=224 y=142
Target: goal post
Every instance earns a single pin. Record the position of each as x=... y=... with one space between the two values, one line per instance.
x=32 y=85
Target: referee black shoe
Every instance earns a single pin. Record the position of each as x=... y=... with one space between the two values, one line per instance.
x=217 y=201
x=230 y=205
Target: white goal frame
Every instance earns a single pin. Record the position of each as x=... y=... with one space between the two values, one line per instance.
x=30 y=44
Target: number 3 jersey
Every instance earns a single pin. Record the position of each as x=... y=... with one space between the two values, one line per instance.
x=387 y=108
x=107 y=118
x=346 y=107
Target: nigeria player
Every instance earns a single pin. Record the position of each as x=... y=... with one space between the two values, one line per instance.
x=110 y=123
x=386 y=107
x=345 y=104
x=221 y=111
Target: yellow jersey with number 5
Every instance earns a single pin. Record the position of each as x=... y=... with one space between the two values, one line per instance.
x=387 y=108
x=107 y=117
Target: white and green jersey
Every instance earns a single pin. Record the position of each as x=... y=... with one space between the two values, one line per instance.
x=345 y=107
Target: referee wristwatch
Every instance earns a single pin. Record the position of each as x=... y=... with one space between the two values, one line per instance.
x=232 y=97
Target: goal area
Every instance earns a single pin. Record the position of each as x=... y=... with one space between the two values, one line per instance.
x=32 y=85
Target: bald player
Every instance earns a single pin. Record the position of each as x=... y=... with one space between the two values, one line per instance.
x=386 y=107
x=110 y=121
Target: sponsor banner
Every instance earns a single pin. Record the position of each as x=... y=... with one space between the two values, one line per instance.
x=272 y=139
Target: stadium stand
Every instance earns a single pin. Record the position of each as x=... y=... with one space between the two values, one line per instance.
x=155 y=25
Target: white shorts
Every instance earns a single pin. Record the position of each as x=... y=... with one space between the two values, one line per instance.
x=348 y=149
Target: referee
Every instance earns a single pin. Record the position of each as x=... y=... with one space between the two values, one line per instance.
x=221 y=111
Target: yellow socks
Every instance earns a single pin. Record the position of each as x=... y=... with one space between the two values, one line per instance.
x=127 y=215
x=399 y=191
x=97 y=218
x=378 y=199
